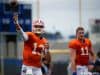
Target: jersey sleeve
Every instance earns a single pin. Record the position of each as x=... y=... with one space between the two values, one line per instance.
x=28 y=33
x=30 y=36
x=72 y=44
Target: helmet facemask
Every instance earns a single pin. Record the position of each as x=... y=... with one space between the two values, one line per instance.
x=38 y=27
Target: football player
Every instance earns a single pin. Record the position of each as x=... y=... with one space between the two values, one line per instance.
x=36 y=47
x=81 y=53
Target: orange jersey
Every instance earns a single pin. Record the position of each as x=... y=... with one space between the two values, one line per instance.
x=33 y=47
x=82 y=51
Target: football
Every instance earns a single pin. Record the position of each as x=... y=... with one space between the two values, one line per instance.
x=13 y=3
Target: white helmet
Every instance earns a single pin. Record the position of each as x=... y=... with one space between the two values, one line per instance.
x=38 y=26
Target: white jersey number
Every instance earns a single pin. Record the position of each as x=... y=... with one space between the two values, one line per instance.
x=35 y=47
x=84 y=51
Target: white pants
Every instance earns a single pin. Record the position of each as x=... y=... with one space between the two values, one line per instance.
x=82 y=70
x=30 y=70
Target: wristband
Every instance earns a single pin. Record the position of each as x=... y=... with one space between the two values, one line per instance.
x=74 y=73
x=91 y=63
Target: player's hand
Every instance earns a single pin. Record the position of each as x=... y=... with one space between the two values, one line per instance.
x=15 y=18
x=42 y=55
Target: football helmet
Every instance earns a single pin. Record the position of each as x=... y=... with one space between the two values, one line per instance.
x=38 y=26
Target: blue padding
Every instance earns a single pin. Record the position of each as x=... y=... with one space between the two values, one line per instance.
x=74 y=73
x=12 y=66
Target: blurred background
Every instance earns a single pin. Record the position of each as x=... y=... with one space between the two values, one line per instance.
x=61 y=18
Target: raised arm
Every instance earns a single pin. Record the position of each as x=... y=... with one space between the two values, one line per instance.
x=19 y=29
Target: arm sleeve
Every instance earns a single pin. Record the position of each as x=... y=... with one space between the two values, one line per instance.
x=72 y=45
x=23 y=34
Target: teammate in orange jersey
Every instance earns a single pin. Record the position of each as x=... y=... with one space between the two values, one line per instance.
x=36 y=47
x=80 y=52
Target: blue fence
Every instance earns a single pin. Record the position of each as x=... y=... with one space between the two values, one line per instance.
x=11 y=66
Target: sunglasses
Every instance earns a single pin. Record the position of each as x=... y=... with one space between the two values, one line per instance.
x=81 y=32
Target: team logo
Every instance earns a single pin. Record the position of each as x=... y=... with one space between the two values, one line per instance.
x=24 y=70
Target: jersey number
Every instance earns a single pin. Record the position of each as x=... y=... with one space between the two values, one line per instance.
x=84 y=51
x=35 y=47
